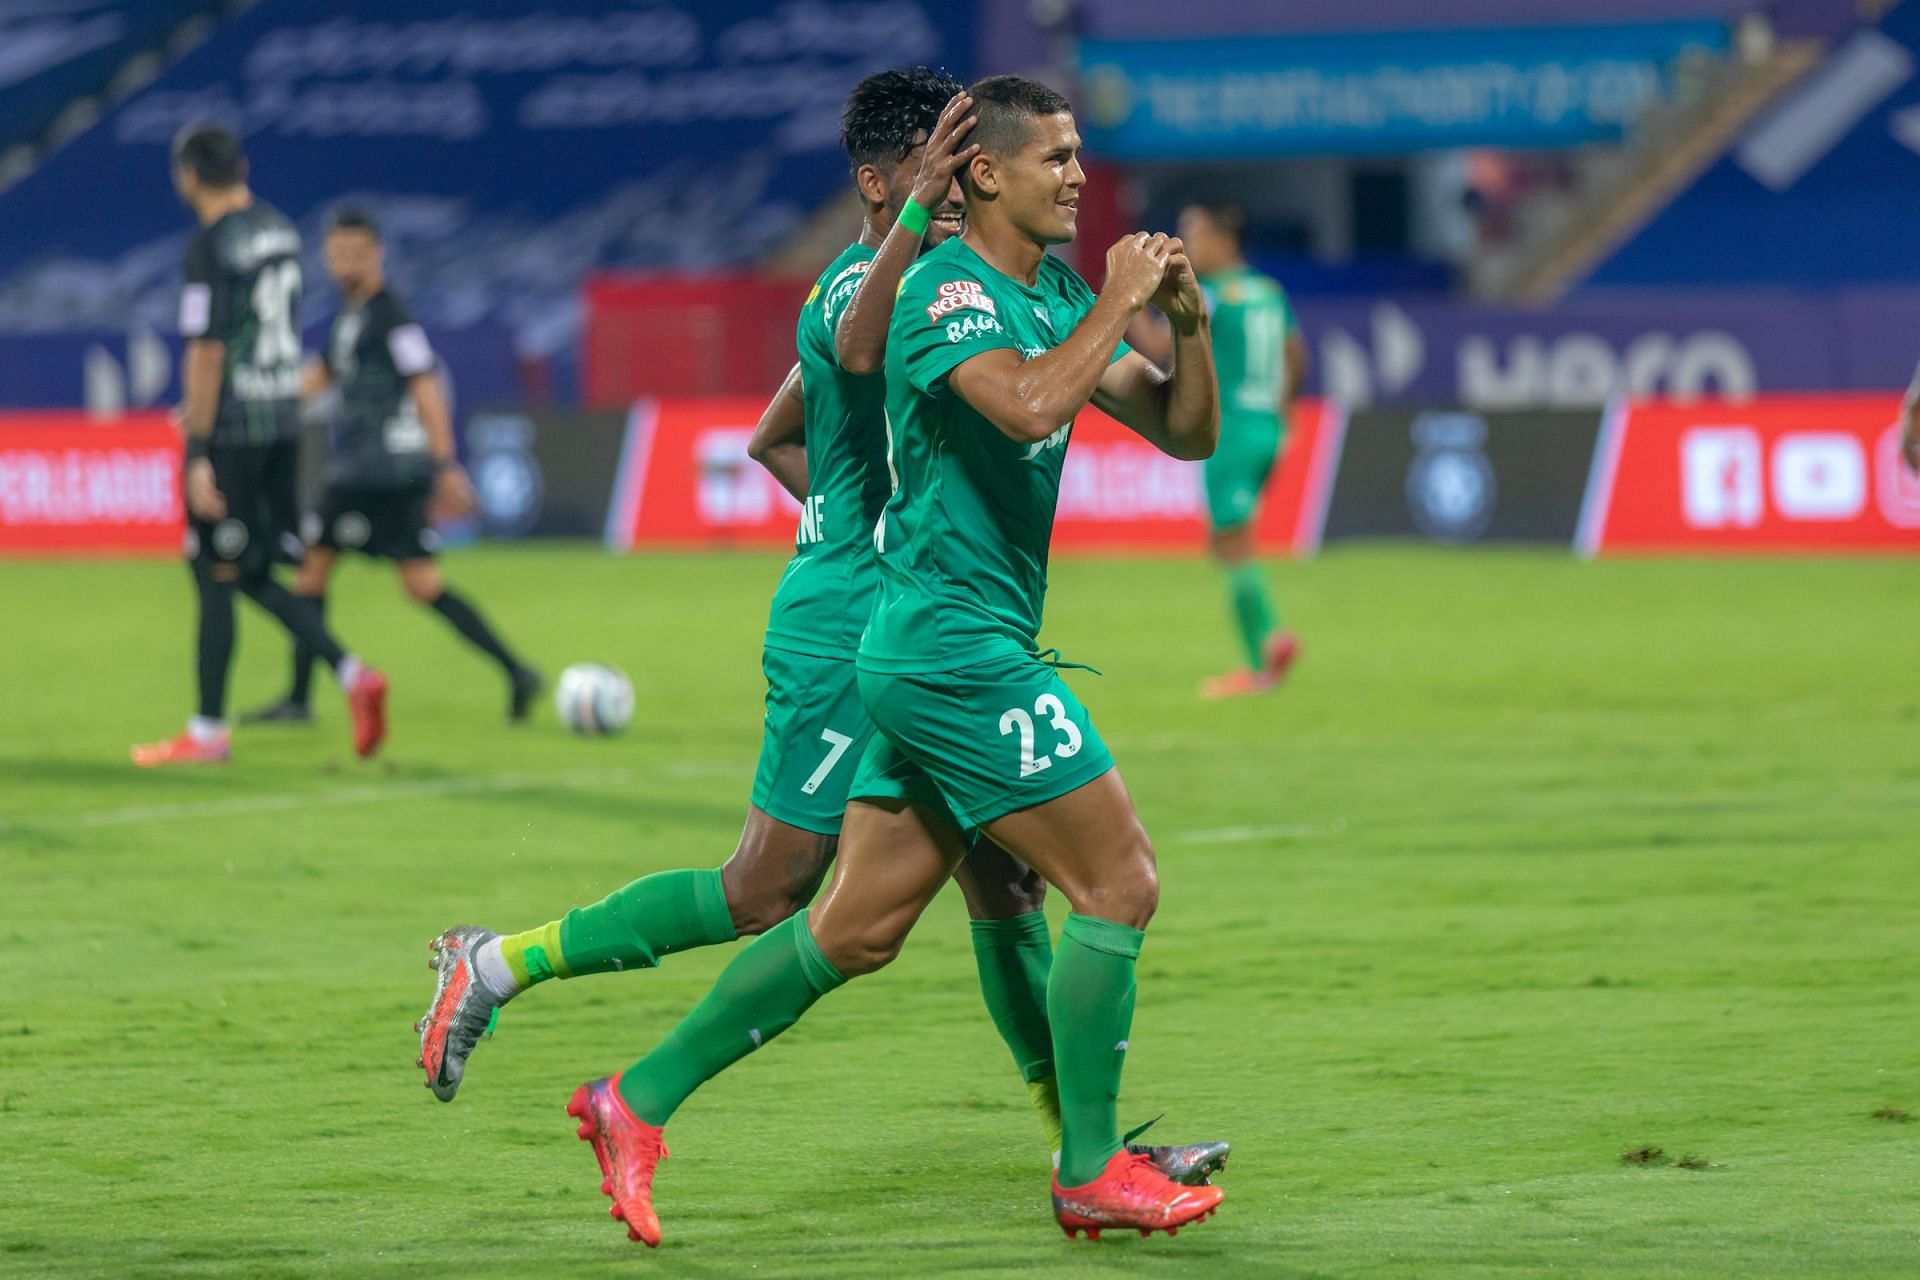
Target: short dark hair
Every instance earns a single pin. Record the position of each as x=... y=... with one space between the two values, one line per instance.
x=212 y=153
x=1006 y=107
x=887 y=112
x=352 y=218
x=1226 y=217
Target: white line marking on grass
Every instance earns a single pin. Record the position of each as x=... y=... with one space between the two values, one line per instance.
x=1271 y=831
x=373 y=793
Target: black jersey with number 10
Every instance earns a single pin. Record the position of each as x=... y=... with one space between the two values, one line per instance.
x=243 y=289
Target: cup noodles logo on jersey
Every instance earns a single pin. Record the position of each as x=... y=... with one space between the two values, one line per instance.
x=958 y=295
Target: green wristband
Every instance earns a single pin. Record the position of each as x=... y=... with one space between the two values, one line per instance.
x=915 y=216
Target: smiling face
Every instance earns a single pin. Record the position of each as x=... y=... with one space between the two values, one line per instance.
x=1035 y=178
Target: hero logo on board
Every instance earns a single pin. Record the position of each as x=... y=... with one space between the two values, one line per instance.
x=1531 y=370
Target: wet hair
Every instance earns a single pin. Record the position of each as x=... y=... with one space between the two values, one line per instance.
x=351 y=218
x=1227 y=218
x=888 y=113
x=1006 y=107
x=212 y=153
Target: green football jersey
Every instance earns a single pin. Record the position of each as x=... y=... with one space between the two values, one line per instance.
x=1252 y=321
x=823 y=600
x=963 y=540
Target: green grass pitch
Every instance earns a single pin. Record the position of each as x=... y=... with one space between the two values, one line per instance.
x=1533 y=864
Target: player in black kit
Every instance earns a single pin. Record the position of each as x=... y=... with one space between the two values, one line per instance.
x=390 y=463
x=239 y=312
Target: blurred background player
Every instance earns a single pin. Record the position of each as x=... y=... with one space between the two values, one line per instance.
x=1262 y=359
x=241 y=373
x=391 y=463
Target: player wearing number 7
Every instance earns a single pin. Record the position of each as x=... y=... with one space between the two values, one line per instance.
x=239 y=313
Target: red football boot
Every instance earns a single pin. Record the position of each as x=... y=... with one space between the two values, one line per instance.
x=1282 y=651
x=1130 y=1192
x=185 y=749
x=367 y=700
x=628 y=1148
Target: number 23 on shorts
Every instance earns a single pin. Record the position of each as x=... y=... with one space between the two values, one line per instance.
x=1067 y=739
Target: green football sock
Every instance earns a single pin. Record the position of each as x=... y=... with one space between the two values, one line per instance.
x=1252 y=610
x=1090 y=1004
x=1014 y=957
x=630 y=928
x=765 y=989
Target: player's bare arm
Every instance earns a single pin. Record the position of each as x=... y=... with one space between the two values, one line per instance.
x=452 y=491
x=1177 y=412
x=200 y=372
x=860 y=339
x=779 y=442
x=1028 y=400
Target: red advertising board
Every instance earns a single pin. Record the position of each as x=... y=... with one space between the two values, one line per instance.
x=686 y=480
x=1784 y=473
x=73 y=485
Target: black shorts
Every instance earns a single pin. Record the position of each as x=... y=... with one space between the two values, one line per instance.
x=261 y=484
x=375 y=522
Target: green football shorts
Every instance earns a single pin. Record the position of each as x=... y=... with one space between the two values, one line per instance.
x=980 y=742
x=1236 y=474
x=815 y=732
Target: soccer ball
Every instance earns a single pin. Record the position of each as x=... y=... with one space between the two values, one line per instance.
x=593 y=698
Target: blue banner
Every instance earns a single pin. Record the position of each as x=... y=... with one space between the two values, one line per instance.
x=1376 y=93
x=507 y=153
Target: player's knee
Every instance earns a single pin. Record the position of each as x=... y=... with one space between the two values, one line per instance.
x=1128 y=889
x=757 y=908
x=862 y=950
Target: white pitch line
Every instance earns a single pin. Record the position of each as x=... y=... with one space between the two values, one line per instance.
x=373 y=793
x=1272 y=831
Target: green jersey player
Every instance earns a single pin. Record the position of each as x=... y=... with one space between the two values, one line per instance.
x=823 y=437
x=1262 y=360
x=992 y=349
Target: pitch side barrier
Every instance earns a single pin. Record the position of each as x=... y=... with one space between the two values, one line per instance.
x=1782 y=473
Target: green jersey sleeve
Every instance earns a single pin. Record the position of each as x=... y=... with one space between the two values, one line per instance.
x=943 y=318
x=835 y=296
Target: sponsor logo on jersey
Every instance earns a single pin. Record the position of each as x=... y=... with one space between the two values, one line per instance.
x=966 y=326
x=1055 y=441
x=958 y=295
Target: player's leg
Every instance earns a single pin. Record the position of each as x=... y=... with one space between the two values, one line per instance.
x=1090 y=845
x=1013 y=952
x=1235 y=478
x=277 y=503
x=1013 y=751
x=216 y=552
x=895 y=857
x=403 y=531
x=812 y=738
x=310 y=582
